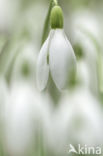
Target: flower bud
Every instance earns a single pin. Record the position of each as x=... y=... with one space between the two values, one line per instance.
x=56 y=19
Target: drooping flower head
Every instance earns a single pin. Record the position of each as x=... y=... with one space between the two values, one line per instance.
x=56 y=55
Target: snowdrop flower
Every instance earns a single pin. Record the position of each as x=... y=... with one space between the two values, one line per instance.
x=56 y=55
x=77 y=120
x=24 y=111
x=85 y=27
x=8 y=14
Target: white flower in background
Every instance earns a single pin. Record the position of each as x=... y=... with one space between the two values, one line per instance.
x=86 y=20
x=18 y=120
x=77 y=120
x=86 y=27
x=87 y=40
x=8 y=14
x=56 y=55
x=25 y=60
x=25 y=111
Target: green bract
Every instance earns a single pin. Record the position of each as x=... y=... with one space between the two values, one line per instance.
x=56 y=18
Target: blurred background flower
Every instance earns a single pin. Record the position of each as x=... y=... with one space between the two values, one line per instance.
x=34 y=123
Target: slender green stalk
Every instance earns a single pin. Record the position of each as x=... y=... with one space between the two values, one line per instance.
x=55 y=2
x=47 y=24
x=4 y=54
x=100 y=72
x=47 y=21
x=8 y=73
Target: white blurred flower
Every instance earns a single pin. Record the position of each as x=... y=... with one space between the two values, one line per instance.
x=86 y=29
x=57 y=57
x=24 y=113
x=86 y=20
x=8 y=12
x=87 y=36
x=83 y=74
x=77 y=120
x=25 y=60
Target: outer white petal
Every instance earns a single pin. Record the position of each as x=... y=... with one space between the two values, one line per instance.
x=42 y=66
x=62 y=59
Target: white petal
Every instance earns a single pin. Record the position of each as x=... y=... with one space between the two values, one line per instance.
x=43 y=66
x=62 y=59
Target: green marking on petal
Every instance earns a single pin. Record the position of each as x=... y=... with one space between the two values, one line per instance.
x=48 y=58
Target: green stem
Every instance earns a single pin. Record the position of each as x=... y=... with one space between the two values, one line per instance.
x=8 y=73
x=55 y=2
x=47 y=24
x=100 y=71
x=47 y=21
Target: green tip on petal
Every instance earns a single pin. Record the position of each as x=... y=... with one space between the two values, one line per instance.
x=56 y=18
